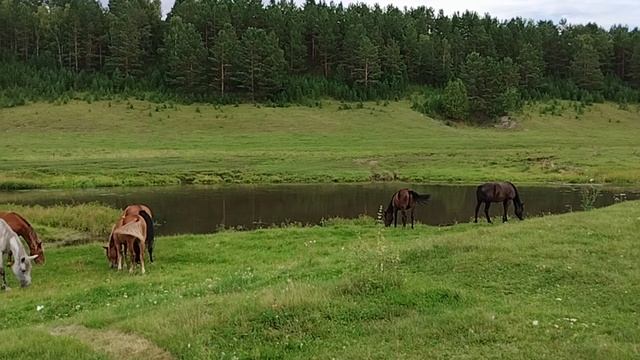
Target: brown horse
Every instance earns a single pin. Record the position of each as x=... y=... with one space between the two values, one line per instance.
x=22 y=227
x=132 y=210
x=499 y=192
x=145 y=212
x=403 y=200
x=132 y=231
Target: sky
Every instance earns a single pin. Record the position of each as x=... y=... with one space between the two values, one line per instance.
x=604 y=12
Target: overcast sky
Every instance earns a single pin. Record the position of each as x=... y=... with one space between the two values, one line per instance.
x=603 y=12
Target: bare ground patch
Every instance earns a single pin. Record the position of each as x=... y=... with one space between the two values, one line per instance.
x=116 y=344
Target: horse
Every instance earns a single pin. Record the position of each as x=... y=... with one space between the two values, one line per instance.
x=403 y=200
x=132 y=231
x=22 y=267
x=145 y=212
x=499 y=192
x=131 y=210
x=22 y=227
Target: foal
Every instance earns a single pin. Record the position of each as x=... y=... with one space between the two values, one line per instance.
x=403 y=200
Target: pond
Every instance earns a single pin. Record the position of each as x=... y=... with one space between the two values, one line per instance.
x=205 y=209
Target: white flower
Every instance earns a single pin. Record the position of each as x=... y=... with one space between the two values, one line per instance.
x=535 y=322
x=39 y=307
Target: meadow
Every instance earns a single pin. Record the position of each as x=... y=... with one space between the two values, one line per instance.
x=560 y=286
x=136 y=143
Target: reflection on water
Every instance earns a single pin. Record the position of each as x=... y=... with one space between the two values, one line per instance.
x=200 y=209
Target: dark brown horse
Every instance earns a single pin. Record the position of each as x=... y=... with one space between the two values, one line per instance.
x=499 y=192
x=403 y=200
x=22 y=227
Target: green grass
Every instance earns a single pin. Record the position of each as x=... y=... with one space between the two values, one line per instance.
x=68 y=224
x=140 y=143
x=350 y=289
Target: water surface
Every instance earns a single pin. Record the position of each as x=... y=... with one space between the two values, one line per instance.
x=204 y=209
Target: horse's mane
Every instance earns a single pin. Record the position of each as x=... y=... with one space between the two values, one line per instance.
x=32 y=232
x=390 y=207
x=515 y=189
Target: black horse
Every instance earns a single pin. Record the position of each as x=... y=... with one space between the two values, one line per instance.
x=499 y=192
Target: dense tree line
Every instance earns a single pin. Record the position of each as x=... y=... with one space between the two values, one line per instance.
x=229 y=50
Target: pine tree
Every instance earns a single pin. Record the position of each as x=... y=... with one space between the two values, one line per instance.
x=531 y=67
x=454 y=100
x=634 y=65
x=393 y=68
x=491 y=85
x=260 y=64
x=184 y=56
x=222 y=55
x=585 y=67
x=366 y=67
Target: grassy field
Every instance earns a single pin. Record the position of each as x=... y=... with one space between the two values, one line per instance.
x=563 y=287
x=139 y=143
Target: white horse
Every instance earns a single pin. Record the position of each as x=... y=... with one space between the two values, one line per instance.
x=22 y=266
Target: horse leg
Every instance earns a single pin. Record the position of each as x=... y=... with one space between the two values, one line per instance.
x=404 y=218
x=506 y=207
x=412 y=216
x=150 y=249
x=142 y=256
x=477 y=209
x=395 y=218
x=486 y=211
x=119 y=255
x=131 y=249
x=4 y=279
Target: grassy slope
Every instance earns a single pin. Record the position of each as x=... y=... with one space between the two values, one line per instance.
x=354 y=290
x=109 y=144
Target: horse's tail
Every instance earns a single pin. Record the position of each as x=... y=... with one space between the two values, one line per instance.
x=148 y=241
x=516 y=197
x=420 y=199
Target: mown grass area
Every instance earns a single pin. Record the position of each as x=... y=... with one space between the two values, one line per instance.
x=559 y=286
x=141 y=143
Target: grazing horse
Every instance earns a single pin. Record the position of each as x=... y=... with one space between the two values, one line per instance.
x=130 y=210
x=499 y=192
x=403 y=200
x=22 y=266
x=132 y=231
x=145 y=212
x=22 y=227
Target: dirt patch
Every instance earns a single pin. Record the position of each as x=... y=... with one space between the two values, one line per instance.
x=116 y=344
x=506 y=122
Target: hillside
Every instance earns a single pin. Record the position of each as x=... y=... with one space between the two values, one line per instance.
x=140 y=143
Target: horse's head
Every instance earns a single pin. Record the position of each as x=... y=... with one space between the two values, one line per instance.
x=22 y=269
x=520 y=211
x=112 y=254
x=111 y=251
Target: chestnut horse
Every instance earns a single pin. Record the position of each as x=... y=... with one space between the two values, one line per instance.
x=499 y=192
x=403 y=200
x=132 y=230
x=22 y=227
x=132 y=210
